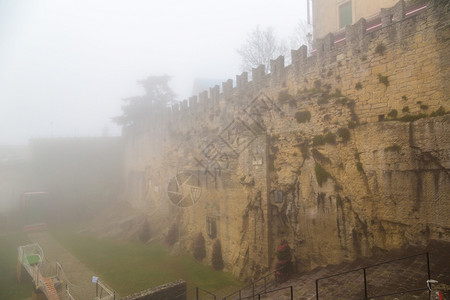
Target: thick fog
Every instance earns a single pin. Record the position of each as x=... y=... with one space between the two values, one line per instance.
x=66 y=65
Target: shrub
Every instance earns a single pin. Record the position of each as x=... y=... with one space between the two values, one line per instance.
x=393 y=113
x=439 y=112
x=424 y=107
x=172 y=235
x=344 y=133
x=199 y=247
x=321 y=174
x=283 y=267
x=351 y=124
x=383 y=79
x=145 y=234
x=405 y=109
x=380 y=49
x=284 y=97
x=274 y=149
x=394 y=148
x=216 y=259
x=318 y=140
x=351 y=104
x=303 y=116
x=359 y=167
x=404 y=97
x=304 y=150
x=320 y=157
x=411 y=118
x=330 y=138
x=358 y=86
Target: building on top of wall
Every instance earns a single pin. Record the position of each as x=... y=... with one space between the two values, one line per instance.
x=334 y=15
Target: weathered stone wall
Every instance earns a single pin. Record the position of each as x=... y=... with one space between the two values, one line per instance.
x=301 y=153
x=170 y=291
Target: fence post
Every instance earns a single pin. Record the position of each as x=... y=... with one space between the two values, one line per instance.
x=317 y=289
x=365 y=285
x=429 y=273
x=292 y=293
x=240 y=296
x=196 y=292
x=265 y=285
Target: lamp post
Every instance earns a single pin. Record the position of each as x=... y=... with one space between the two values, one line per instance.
x=309 y=39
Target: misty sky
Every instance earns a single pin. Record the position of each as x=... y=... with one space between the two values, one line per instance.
x=65 y=65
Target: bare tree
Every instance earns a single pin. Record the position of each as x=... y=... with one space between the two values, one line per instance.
x=300 y=35
x=260 y=47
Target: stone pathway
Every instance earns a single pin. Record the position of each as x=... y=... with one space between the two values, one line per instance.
x=78 y=275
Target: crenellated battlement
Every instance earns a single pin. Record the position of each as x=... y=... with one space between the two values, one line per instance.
x=346 y=54
x=326 y=51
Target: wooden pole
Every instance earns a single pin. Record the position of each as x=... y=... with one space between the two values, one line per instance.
x=19 y=271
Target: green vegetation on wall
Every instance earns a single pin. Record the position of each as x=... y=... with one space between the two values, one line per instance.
x=321 y=174
x=303 y=116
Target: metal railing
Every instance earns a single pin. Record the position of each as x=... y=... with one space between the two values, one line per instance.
x=101 y=287
x=199 y=289
x=253 y=286
x=364 y=288
x=68 y=295
x=276 y=290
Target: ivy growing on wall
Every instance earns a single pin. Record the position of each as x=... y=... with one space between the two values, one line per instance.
x=321 y=174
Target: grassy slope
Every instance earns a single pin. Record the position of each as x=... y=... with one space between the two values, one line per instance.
x=131 y=267
x=9 y=287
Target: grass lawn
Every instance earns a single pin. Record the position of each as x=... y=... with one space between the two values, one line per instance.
x=9 y=287
x=132 y=267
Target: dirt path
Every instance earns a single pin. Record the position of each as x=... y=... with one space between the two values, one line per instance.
x=78 y=275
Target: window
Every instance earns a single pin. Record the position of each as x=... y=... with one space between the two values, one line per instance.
x=278 y=196
x=211 y=228
x=345 y=14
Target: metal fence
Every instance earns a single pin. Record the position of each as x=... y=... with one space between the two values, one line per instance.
x=259 y=286
x=378 y=280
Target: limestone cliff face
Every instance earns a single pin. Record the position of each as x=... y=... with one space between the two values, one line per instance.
x=343 y=153
x=384 y=188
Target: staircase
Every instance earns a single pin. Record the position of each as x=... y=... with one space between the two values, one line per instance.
x=50 y=290
x=31 y=257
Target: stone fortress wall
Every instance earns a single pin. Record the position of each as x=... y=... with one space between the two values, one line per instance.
x=344 y=152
